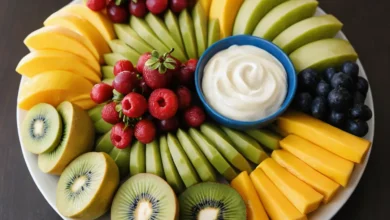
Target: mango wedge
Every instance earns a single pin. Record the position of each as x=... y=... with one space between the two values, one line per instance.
x=52 y=88
x=327 y=163
x=304 y=172
x=206 y=6
x=324 y=135
x=41 y=61
x=85 y=104
x=225 y=11
x=301 y=195
x=244 y=186
x=275 y=203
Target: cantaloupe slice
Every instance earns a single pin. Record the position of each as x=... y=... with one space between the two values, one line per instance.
x=254 y=209
x=275 y=203
x=304 y=172
x=327 y=163
x=301 y=195
x=324 y=135
x=225 y=11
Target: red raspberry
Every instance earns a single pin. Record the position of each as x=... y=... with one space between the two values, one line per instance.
x=96 y=5
x=191 y=64
x=170 y=124
x=101 y=93
x=109 y=113
x=142 y=60
x=184 y=96
x=194 y=116
x=145 y=131
x=123 y=65
x=163 y=104
x=121 y=136
x=125 y=82
x=134 y=105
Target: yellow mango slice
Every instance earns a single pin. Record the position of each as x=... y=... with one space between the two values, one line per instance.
x=81 y=97
x=41 y=61
x=85 y=104
x=225 y=11
x=244 y=186
x=206 y=6
x=324 y=135
x=301 y=195
x=80 y=25
x=304 y=172
x=53 y=88
x=275 y=203
x=97 y=19
x=327 y=163
x=63 y=39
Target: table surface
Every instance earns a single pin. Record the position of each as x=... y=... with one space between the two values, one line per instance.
x=366 y=25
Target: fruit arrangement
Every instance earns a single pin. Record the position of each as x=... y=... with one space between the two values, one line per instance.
x=109 y=89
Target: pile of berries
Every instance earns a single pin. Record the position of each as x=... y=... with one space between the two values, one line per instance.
x=119 y=10
x=153 y=96
x=336 y=96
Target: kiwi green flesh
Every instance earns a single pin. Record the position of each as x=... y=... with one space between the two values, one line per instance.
x=122 y=160
x=225 y=147
x=77 y=138
x=102 y=127
x=266 y=138
x=104 y=143
x=212 y=154
x=173 y=26
x=108 y=72
x=144 y=196
x=96 y=113
x=214 y=33
x=182 y=163
x=246 y=145
x=198 y=160
x=211 y=201
x=171 y=174
x=153 y=159
x=137 y=158
x=41 y=129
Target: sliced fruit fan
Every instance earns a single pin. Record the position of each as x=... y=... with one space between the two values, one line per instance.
x=109 y=91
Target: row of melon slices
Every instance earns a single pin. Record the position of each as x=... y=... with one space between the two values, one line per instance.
x=65 y=58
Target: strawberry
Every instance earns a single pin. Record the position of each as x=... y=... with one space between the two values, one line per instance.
x=158 y=70
x=142 y=60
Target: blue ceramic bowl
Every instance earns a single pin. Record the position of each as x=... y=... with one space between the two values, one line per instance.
x=257 y=42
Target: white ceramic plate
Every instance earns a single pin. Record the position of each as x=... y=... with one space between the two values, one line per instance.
x=47 y=183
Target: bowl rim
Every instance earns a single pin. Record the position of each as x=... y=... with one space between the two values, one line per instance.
x=291 y=89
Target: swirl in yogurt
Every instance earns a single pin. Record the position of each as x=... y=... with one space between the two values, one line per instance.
x=244 y=83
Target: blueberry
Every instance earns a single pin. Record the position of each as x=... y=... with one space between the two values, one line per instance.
x=339 y=99
x=342 y=80
x=362 y=85
x=323 y=89
x=303 y=102
x=337 y=119
x=319 y=107
x=328 y=74
x=357 y=127
x=361 y=112
x=358 y=98
x=351 y=69
x=308 y=80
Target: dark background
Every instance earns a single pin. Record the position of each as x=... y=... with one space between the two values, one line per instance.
x=367 y=25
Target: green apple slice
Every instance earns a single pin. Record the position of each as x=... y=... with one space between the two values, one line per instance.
x=307 y=31
x=108 y=72
x=108 y=81
x=96 y=113
x=182 y=163
x=120 y=47
x=122 y=160
x=137 y=158
x=283 y=16
x=140 y=26
x=188 y=34
x=159 y=28
x=131 y=38
x=322 y=54
x=222 y=143
x=102 y=127
x=246 y=146
x=112 y=58
x=266 y=138
x=198 y=160
x=104 y=144
x=214 y=33
x=200 y=24
x=153 y=159
x=250 y=14
x=173 y=26
x=171 y=174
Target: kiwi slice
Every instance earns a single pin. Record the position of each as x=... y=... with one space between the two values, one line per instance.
x=87 y=186
x=41 y=129
x=198 y=160
x=77 y=138
x=182 y=163
x=153 y=159
x=96 y=113
x=211 y=201
x=137 y=158
x=171 y=174
x=145 y=196
x=122 y=160
x=104 y=143
x=212 y=154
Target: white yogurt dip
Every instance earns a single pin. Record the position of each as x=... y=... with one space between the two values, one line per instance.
x=244 y=83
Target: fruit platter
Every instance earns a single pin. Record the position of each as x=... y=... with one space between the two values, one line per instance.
x=185 y=109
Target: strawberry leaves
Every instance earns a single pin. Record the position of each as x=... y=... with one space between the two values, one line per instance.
x=161 y=63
